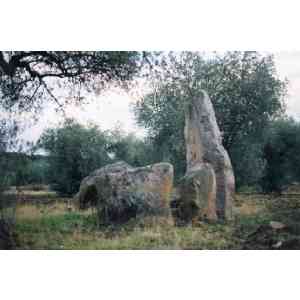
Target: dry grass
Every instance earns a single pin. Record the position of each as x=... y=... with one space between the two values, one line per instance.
x=59 y=225
x=250 y=205
x=29 y=211
x=56 y=227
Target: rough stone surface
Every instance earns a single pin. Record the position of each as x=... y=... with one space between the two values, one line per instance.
x=204 y=146
x=121 y=192
x=197 y=195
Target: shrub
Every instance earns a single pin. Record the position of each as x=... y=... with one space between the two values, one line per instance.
x=282 y=156
x=73 y=152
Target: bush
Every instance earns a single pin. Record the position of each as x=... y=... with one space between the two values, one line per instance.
x=73 y=152
x=282 y=156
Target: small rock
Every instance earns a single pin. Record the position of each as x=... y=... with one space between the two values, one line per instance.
x=277 y=225
x=277 y=245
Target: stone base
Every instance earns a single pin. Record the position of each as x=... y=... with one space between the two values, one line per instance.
x=196 y=197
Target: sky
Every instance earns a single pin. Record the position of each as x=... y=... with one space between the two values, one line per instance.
x=115 y=109
x=107 y=111
x=288 y=66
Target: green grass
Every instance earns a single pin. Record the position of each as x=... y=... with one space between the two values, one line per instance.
x=53 y=226
x=77 y=231
x=73 y=230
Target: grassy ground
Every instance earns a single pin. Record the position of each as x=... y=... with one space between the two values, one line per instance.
x=58 y=225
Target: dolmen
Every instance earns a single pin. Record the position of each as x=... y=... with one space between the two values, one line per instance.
x=121 y=192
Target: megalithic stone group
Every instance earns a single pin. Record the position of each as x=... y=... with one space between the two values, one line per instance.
x=207 y=189
x=204 y=193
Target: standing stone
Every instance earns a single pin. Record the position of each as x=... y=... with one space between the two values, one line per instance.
x=204 y=146
x=197 y=195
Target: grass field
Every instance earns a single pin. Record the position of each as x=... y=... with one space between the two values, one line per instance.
x=56 y=224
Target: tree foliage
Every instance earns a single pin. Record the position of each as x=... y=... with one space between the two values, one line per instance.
x=29 y=77
x=243 y=86
x=8 y=140
x=129 y=148
x=7 y=204
x=282 y=155
x=74 y=151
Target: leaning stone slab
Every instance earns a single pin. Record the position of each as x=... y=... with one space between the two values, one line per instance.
x=121 y=192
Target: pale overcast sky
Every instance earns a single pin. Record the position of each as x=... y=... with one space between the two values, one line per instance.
x=107 y=111
x=288 y=66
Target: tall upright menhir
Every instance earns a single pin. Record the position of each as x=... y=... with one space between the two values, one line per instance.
x=207 y=189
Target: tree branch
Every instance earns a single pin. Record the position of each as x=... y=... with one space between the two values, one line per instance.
x=51 y=95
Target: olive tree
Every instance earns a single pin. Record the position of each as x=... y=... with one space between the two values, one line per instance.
x=73 y=151
x=281 y=153
x=27 y=78
x=245 y=90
